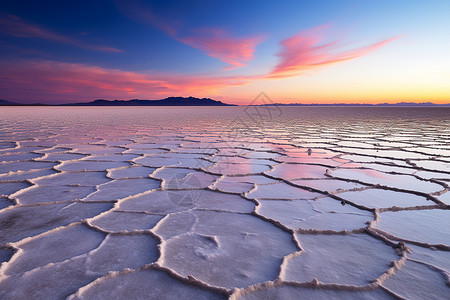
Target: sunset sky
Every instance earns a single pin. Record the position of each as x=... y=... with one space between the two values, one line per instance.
x=294 y=51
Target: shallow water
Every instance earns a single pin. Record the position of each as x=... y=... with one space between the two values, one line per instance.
x=224 y=202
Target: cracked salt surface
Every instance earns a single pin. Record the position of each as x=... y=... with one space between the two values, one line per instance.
x=211 y=203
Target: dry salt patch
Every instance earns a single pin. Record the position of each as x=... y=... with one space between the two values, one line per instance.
x=405 y=182
x=9 y=188
x=77 y=166
x=181 y=155
x=165 y=202
x=54 y=246
x=418 y=281
x=24 y=166
x=145 y=151
x=393 y=154
x=307 y=160
x=315 y=145
x=17 y=224
x=291 y=291
x=60 y=279
x=114 y=143
x=58 y=193
x=175 y=224
x=262 y=155
x=445 y=198
x=232 y=151
x=157 y=162
x=233 y=186
x=205 y=152
x=240 y=160
x=385 y=168
x=433 y=165
x=254 y=179
x=113 y=157
x=130 y=172
x=181 y=178
x=328 y=185
x=56 y=157
x=119 y=221
x=320 y=214
x=370 y=159
x=296 y=171
x=53 y=281
x=430 y=256
x=431 y=151
x=355 y=259
x=73 y=178
x=89 y=150
x=24 y=175
x=122 y=188
x=18 y=157
x=228 y=249
x=304 y=153
x=379 y=198
x=240 y=184
x=237 y=169
x=281 y=191
x=141 y=284
x=431 y=226
x=129 y=251
x=24 y=150
x=355 y=144
x=41 y=143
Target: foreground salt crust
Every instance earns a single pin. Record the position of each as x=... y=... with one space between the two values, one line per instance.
x=218 y=203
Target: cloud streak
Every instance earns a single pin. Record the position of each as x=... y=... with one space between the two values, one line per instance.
x=302 y=52
x=214 y=42
x=306 y=50
x=75 y=82
x=236 y=51
x=15 y=26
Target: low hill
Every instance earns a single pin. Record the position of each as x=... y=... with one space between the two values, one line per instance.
x=171 y=101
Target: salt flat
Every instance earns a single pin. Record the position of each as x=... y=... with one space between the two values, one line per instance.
x=229 y=202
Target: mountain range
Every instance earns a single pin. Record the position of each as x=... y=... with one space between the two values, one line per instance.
x=171 y=101
x=192 y=101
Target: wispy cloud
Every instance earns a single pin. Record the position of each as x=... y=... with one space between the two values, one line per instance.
x=307 y=50
x=236 y=51
x=16 y=26
x=218 y=43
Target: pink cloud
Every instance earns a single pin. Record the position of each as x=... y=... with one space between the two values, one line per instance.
x=217 y=43
x=15 y=26
x=55 y=82
x=301 y=52
x=307 y=50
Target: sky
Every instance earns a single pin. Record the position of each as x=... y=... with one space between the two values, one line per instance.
x=294 y=51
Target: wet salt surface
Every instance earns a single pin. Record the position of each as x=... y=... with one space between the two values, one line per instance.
x=232 y=203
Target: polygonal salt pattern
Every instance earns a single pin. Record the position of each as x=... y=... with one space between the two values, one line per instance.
x=216 y=204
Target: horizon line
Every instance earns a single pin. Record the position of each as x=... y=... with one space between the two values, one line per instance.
x=4 y=102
